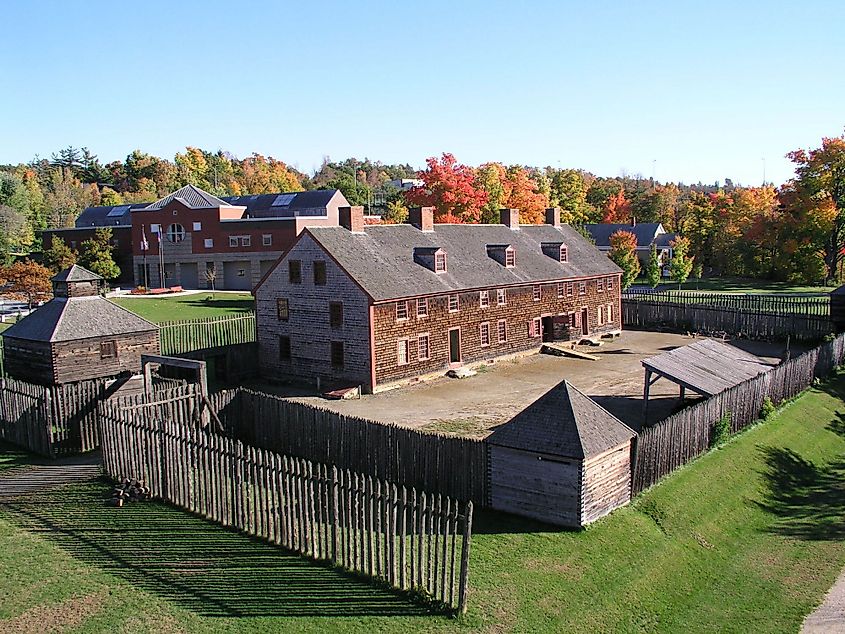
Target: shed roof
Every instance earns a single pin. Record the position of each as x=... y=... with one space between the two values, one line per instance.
x=563 y=422
x=645 y=232
x=67 y=319
x=381 y=257
x=707 y=366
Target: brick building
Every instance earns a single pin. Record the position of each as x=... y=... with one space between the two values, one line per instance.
x=236 y=237
x=376 y=305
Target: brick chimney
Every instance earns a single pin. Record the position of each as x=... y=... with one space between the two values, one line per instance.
x=352 y=218
x=553 y=216
x=422 y=218
x=510 y=218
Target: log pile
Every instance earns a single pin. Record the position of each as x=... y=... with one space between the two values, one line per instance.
x=129 y=491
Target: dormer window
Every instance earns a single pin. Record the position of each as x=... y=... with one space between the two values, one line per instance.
x=432 y=258
x=556 y=250
x=504 y=254
x=440 y=262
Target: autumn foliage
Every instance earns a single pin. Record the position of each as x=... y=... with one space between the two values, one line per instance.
x=623 y=251
x=27 y=281
x=449 y=187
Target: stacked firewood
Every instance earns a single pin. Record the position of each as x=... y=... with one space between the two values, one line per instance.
x=129 y=491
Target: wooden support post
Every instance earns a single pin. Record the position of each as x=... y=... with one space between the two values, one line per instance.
x=646 y=388
x=683 y=393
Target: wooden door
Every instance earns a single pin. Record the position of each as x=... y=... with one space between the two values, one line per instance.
x=455 y=345
x=585 y=326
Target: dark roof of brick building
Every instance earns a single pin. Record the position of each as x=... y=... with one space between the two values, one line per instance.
x=645 y=232
x=63 y=319
x=381 y=257
x=563 y=422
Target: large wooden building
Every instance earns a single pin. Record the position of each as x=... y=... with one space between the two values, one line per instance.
x=563 y=460
x=375 y=306
x=77 y=335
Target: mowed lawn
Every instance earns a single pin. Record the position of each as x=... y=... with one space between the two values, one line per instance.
x=741 y=285
x=194 y=306
x=746 y=539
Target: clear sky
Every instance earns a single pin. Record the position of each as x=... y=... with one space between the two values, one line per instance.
x=692 y=90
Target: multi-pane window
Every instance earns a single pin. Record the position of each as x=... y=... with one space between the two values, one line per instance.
x=535 y=327
x=484 y=333
x=570 y=289
x=282 y=308
x=422 y=307
x=564 y=253
x=403 y=352
x=572 y=320
x=208 y=242
x=336 y=314
x=439 y=262
x=502 y=329
x=175 y=232
x=108 y=349
x=267 y=239
x=561 y=290
x=484 y=299
x=609 y=313
x=510 y=258
x=246 y=241
x=610 y=283
x=600 y=285
x=453 y=303
x=295 y=271
x=423 y=348
x=501 y=297
x=284 y=347
x=233 y=241
x=337 y=354
x=319 y=273
x=600 y=315
x=538 y=292
x=401 y=310
x=582 y=288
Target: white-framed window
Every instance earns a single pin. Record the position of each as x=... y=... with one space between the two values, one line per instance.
x=484 y=333
x=501 y=296
x=484 y=299
x=454 y=303
x=610 y=283
x=246 y=241
x=535 y=327
x=561 y=290
x=564 y=253
x=155 y=228
x=267 y=239
x=537 y=292
x=208 y=243
x=175 y=232
x=600 y=285
x=233 y=241
x=422 y=307
x=570 y=289
x=582 y=288
x=423 y=347
x=502 y=330
x=440 y=262
x=197 y=226
x=600 y=312
x=401 y=310
x=403 y=351
x=609 y=313
x=510 y=258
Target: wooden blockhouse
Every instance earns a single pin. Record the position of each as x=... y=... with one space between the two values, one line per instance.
x=563 y=460
x=77 y=335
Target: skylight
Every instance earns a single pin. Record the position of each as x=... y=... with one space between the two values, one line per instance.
x=283 y=200
x=118 y=211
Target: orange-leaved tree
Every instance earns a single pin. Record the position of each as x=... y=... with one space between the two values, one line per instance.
x=450 y=188
x=27 y=281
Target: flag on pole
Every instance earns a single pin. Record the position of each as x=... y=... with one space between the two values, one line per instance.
x=144 y=244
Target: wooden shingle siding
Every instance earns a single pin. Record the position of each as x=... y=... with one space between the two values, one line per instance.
x=308 y=325
x=544 y=489
x=607 y=483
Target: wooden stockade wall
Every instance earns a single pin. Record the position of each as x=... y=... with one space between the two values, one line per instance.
x=454 y=466
x=806 y=304
x=673 y=442
x=51 y=420
x=804 y=322
x=411 y=539
x=178 y=337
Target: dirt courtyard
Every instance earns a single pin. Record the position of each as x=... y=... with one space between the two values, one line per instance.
x=474 y=406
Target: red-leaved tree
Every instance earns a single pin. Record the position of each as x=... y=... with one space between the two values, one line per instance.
x=450 y=188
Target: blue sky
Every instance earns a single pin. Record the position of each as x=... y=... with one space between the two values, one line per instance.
x=692 y=90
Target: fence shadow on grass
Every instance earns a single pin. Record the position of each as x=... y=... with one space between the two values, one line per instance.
x=808 y=500
x=195 y=564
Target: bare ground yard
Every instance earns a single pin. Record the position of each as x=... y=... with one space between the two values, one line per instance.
x=476 y=405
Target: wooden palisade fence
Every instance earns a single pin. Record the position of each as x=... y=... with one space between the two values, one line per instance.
x=806 y=304
x=804 y=323
x=410 y=539
x=178 y=337
x=681 y=437
x=454 y=466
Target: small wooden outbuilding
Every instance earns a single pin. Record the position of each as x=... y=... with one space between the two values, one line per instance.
x=77 y=335
x=563 y=460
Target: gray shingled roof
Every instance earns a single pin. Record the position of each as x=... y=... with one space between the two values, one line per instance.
x=381 y=259
x=191 y=196
x=644 y=231
x=76 y=273
x=563 y=422
x=99 y=216
x=63 y=319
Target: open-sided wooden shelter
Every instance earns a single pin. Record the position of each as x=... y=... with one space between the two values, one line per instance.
x=563 y=460
x=77 y=335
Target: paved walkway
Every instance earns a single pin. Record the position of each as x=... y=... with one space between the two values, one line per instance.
x=48 y=475
x=829 y=617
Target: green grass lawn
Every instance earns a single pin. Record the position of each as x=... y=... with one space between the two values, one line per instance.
x=11 y=456
x=746 y=538
x=740 y=285
x=195 y=306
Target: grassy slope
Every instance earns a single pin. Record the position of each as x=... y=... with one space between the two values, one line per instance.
x=195 y=306
x=742 y=285
x=711 y=548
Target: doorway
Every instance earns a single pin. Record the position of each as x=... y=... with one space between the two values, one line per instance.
x=548 y=329
x=585 y=327
x=455 y=345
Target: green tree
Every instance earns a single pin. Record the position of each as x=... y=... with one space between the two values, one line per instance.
x=623 y=251
x=652 y=267
x=395 y=213
x=110 y=198
x=59 y=256
x=96 y=255
x=682 y=262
